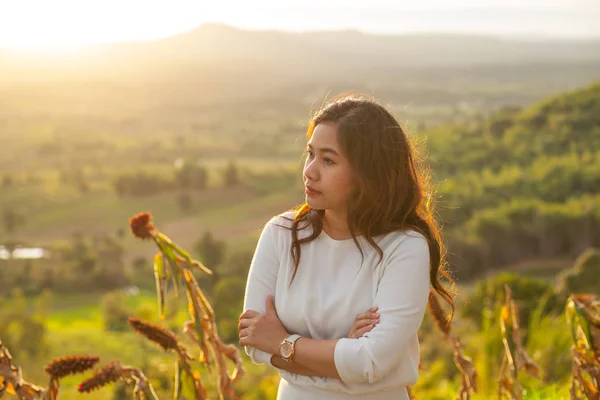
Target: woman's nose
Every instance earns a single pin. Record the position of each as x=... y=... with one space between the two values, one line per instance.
x=310 y=171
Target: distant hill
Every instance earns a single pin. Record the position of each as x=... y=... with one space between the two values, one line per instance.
x=220 y=45
x=564 y=124
x=432 y=78
x=356 y=48
x=521 y=184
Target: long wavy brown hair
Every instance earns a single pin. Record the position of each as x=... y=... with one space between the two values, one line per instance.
x=392 y=185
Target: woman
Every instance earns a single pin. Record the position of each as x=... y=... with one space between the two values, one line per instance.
x=365 y=237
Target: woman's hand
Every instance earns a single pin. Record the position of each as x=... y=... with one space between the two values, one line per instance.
x=263 y=332
x=364 y=323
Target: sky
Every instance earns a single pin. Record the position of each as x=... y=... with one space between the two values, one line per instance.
x=48 y=23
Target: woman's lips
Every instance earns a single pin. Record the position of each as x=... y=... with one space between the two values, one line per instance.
x=311 y=192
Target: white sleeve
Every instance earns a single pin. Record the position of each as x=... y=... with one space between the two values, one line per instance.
x=262 y=278
x=402 y=297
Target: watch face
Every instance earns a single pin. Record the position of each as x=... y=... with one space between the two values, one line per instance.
x=286 y=350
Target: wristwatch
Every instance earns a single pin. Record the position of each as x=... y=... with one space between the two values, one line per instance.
x=287 y=348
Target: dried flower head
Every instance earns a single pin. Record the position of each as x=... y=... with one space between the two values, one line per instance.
x=110 y=373
x=61 y=367
x=141 y=225
x=163 y=337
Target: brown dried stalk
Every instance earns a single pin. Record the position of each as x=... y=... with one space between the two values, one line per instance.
x=586 y=377
x=199 y=389
x=201 y=328
x=467 y=370
x=114 y=372
x=168 y=341
x=515 y=357
x=210 y=342
x=583 y=314
x=14 y=382
x=463 y=363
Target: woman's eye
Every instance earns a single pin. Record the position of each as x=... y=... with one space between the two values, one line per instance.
x=309 y=154
x=329 y=161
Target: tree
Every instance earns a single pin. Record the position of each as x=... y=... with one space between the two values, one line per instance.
x=81 y=181
x=12 y=220
x=237 y=263
x=210 y=250
x=7 y=181
x=231 y=175
x=185 y=201
x=139 y=263
x=23 y=331
x=583 y=276
x=191 y=176
x=200 y=178
x=114 y=313
x=211 y=253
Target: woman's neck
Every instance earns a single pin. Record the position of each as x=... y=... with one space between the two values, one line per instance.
x=336 y=226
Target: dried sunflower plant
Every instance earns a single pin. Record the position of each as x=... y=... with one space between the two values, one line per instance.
x=172 y=265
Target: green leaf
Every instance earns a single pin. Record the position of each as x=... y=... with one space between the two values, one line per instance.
x=185 y=386
x=175 y=279
x=168 y=253
x=176 y=248
x=159 y=270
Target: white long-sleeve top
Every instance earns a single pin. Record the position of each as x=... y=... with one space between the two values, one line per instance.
x=330 y=288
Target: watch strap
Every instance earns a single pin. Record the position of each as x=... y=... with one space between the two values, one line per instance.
x=292 y=338
x=292 y=341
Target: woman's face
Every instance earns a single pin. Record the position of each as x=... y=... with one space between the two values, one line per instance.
x=328 y=177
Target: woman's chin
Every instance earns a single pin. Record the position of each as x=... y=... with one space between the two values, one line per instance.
x=315 y=205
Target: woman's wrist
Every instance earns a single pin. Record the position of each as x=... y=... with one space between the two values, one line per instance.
x=276 y=344
x=293 y=367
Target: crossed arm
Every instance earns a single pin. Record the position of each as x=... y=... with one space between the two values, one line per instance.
x=309 y=355
x=317 y=353
x=308 y=351
x=402 y=295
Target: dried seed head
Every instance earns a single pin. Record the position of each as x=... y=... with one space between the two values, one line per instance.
x=110 y=373
x=441 y=320
x=141 y=225
x=61 y=367
x=163 y=337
